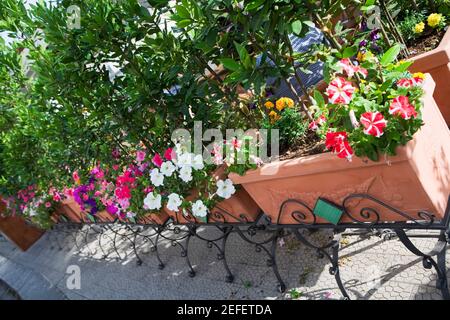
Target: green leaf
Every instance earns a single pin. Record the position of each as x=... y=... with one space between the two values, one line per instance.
x=349 y=52
x=243 y=55
x=184 y=23
x=183 y=12
x=297 y=27
x=390 y=55
x=319 y=99
x=230 y=64
x=403 y=66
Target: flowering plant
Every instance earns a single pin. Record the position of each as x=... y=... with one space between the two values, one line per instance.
x=182 y=181
x=372 y=107
x=35 y=205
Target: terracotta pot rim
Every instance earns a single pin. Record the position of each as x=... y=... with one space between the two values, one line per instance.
x=314 y=163
x=441 y=54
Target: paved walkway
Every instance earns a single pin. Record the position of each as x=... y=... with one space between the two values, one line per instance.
x=370 y=268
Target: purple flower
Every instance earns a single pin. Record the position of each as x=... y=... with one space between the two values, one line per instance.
x=363 y=26
x=363 y=43
x=374 y=35
x=91 y=203
x=112 y=209
x=376 y=48
x=78 y=193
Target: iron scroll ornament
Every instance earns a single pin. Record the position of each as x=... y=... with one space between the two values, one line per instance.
x=367 y=216
x=423 y=218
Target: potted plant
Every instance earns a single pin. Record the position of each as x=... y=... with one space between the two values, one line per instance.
x=17 y=230
x=191 y=191
x=437 y=63
x=374 y=110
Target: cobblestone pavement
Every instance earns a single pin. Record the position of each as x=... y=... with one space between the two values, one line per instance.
x=370 y=268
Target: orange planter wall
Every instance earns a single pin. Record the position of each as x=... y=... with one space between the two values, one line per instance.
x=437 y=63
x=16 y=230
x=417 y=178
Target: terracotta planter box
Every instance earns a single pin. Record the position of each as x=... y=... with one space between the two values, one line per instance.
x=154 y=219
x=238 y=209
x=72 y=211
x=18 y=231
x=416 y=179
x=437 y=63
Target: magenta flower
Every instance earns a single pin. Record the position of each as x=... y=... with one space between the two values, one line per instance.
x=157 y=160
x=168 y=154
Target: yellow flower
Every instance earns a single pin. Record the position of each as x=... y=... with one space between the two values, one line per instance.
x=361 y=56
x=274 y=116
x=419 y=75
x=434 y=19
x=269 y=104
x=283 y=103
x=419 y=27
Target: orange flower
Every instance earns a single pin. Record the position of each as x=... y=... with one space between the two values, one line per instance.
x=274 y=116
x=269 y=104
x=283 y=103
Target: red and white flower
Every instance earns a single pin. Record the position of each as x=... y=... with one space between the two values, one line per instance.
x=314 y=125
x=417 y=81
x=340 y=91
x=350 y=69
x=400 y=106
x=362 y=71
x=405 y=83
x=374 y=123
x=347 y=67
x=338 y=143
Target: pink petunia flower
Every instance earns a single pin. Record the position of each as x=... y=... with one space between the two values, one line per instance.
x=340 y=91
x=56 y=197
x=314 y=125
x=374 y=123
x=236 y=144
x=76 y=177
x=157 y=160
x=400 y=106
x=168 y=154
x=148 y=189
x=48 y=204
x=140 y=155
x=350 y=69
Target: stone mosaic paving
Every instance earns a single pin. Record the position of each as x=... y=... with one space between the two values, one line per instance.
x=371 y=268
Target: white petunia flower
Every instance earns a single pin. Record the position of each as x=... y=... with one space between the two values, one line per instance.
x=156 y=177
x=174 y=202
x=225 y=189
x=184 y=159
x=152 y=202
x=186 y=173
x=199 y=209
x=197 y=162
x=167 y=168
